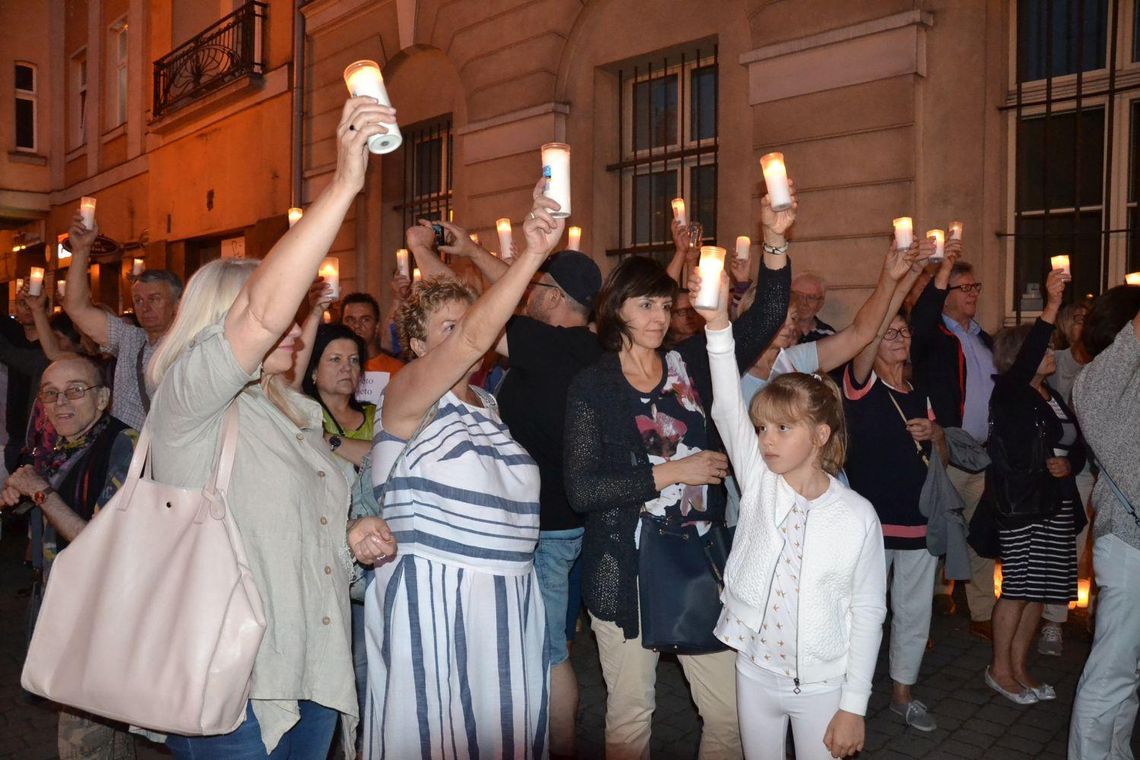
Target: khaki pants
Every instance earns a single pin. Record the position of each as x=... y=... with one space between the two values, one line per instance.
x=630 y=671
x=980 y=590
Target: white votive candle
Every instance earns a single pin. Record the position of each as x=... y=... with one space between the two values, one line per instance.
x=363 y=78
x=416 y=276
x=939 y=238
x=295 y=215
x=743 y=247
x=61 y=287
x=679 y=214
x=1132 y=278
x=556 y=169
x=402 y=262
x=474 y=237
x=904 y=232
x=776 y=178
x=711 y=265
x=575 y=238
x=506 y=239
x=330 y=270
x=138 y=266
x=19 y=284
x=36 y=281
x=87 y=211
x=955 y=230
x=1060 y=261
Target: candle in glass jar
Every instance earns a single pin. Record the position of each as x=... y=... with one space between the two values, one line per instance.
x=138 y=266
x=1060 y=261
x=955 y=230
x=776 y=178
x=330 y=271
x=416 y=276
x=19 y=284
x=743 y=247
x=679 y=214
x=1132 y=278
x=61 y=287
x=36 y=281
x=506 y=240
x=939 y=238
x=402 y=262
x=711 y=265
x=556 y=169
x=364 y=78
x=295 y=215
x=904 y=232
x=87 y=211
x=575 y=239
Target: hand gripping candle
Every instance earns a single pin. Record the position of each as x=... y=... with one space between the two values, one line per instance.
x=904 y=232
x=939 y=238
x=506 y=237
x=556 y=169
x=364 y=78
x=330 y=270
x=679 y=211
x=711 y=265
x=87 y=211
x=776 y=178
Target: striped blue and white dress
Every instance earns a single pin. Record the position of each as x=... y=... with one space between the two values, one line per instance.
x=455 y=627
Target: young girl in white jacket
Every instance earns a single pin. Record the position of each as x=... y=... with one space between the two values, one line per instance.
x=805 y=584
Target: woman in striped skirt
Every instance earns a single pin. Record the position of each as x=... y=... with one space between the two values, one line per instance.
x=1031 y=422
x=455 y=628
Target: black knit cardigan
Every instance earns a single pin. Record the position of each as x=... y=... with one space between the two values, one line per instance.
x=606 y=467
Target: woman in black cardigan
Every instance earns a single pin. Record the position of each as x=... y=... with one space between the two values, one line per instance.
x=1037 y=448
x=639 y=437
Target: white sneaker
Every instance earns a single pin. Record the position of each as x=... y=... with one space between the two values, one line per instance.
x=1050 y=643
x=915 y=715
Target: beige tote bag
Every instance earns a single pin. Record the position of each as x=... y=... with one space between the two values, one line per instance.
x=151 y=616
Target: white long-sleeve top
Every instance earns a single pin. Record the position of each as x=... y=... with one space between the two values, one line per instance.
x=842 y=601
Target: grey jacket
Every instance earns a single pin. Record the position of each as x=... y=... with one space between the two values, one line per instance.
x=940 y=503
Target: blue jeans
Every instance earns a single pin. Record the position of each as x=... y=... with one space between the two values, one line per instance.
x=553 y=560
x=308 y=739
x=359 y=657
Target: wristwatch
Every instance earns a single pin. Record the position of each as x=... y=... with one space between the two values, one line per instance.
x=335 y=442
x=39 y=497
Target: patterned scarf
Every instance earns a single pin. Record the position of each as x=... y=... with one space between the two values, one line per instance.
x=63 y=450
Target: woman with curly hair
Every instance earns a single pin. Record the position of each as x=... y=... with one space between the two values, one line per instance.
x=455 y=628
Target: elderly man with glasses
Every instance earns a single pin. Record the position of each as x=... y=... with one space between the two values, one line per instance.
x=82 y=472
x=809 y=291
x=953 y=359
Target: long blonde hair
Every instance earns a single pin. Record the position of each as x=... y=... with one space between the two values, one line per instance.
x=208 y=297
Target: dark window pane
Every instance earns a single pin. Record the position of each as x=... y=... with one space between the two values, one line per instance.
x=1133 y=240
x=25 y=78
x=25 y=124
x=1136 y=33
x=428 y=166
x=1037 y=240
x=702 y=183
x=1045 y=171
x=652 y=213
x=1055 y=38
x=655 y=113
x=1134 y=152
x=702 y=123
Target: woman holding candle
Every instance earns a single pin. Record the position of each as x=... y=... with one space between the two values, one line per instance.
x=639 y=439
x=233 y=342
x=459 y=610
x=1036 y=448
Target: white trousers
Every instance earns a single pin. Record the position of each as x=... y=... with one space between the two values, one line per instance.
x=1059 y=613
x=630 y=672
x=768 y=701
x=910 y=610
x=1104 y=710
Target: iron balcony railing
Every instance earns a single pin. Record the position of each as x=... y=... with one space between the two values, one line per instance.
x=224 y=52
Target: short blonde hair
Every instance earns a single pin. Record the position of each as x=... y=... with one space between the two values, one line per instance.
x=425 y=299
x=815 y=399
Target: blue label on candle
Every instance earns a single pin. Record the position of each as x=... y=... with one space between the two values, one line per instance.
x=546 y=171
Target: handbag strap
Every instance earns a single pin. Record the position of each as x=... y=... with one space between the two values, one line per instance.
x=1124 y=502
x=917 y=445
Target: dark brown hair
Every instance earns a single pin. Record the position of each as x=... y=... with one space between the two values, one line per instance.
x=1111 y=310
x=636 y=277
x=815 y=399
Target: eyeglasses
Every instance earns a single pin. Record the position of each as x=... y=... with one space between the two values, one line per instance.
x=895 y=334
x=975 y=287
x=74 y=393
x=806 y=297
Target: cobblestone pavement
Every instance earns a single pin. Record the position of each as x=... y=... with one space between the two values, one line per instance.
x=973 y=721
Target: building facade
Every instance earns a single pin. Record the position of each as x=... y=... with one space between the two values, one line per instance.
x=1016 y=118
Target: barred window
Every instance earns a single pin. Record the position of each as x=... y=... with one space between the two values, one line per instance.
x=25 y=115
x=427 y=171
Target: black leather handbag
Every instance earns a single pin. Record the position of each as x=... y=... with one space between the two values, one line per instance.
x=681 y=575
x=1017 y=479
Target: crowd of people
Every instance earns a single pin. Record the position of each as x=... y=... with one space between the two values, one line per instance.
x=742 y=485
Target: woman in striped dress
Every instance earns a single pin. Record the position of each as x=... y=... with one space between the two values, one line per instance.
x=455 y=627
x=1030 y=422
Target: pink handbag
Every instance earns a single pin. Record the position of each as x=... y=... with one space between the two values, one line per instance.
x=151 y=616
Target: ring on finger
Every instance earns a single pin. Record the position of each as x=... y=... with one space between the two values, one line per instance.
x=351 y=127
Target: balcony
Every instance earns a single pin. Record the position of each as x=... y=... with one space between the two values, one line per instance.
x=225 y=52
